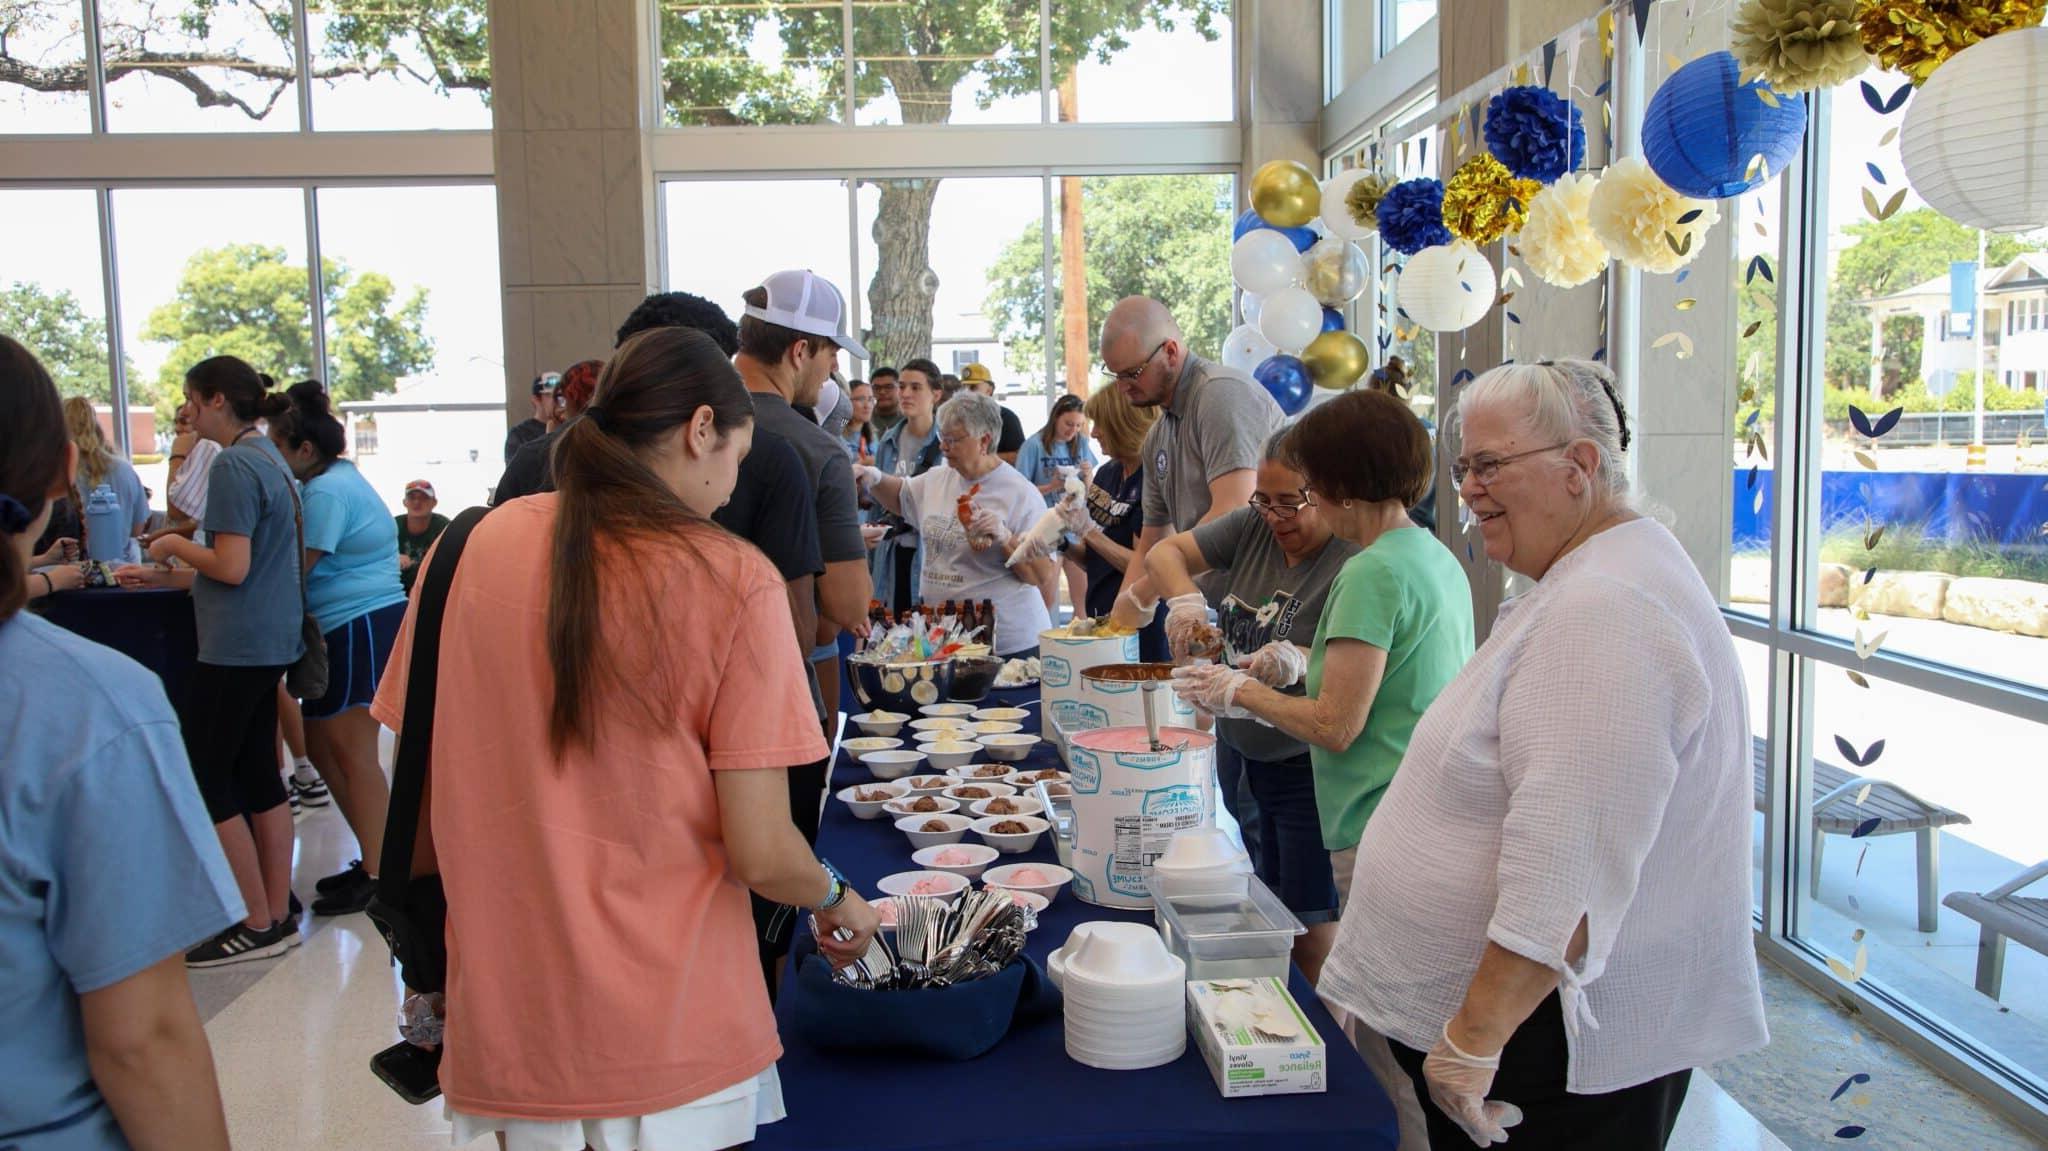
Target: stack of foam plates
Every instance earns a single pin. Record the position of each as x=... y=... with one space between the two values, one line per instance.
x=1124 y=996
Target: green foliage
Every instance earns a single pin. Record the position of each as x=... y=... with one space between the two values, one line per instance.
x=1161 y=236
x=246 y=300
x=1906 y=547
x=1914 y=397
x=452 y=35
x=70 y=343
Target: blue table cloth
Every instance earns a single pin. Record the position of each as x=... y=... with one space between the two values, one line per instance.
x=1026 y=1094
x=154 y=627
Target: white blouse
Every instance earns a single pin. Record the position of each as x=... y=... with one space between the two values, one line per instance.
x=1593 y=759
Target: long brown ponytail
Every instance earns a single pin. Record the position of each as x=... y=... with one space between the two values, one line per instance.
x=32 y=442
x=611 y=500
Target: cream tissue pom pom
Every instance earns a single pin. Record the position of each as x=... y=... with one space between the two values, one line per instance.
x=1558 y=242
x=1633 y=213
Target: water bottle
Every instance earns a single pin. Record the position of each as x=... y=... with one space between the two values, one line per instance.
x=106 y=536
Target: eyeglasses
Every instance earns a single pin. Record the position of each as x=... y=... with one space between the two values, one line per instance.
x=946 y=441
x=1486 y=469
x=1278 y=510
x=1129 y=375
x=882 y=387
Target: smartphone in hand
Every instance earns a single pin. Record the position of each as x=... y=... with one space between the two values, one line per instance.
x=411 y=1070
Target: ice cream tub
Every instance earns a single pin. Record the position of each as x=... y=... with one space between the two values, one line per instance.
x=1129 y=801
x=1113 y=695
x=1062 y=658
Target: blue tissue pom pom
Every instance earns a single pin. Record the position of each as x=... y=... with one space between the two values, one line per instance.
x=1411 y=216
x=1536 y=133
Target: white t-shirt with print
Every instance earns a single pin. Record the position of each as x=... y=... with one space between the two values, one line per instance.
x=953 y=570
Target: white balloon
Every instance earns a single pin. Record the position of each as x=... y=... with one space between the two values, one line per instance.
x=1245 y=349
x=1336 y=271
x=1248 y=305
x=1290 y=319
x=1264 y=261
x=1336 y=215
x=1447 y=288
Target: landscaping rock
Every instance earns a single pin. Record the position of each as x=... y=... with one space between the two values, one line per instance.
x=1835 y=582
x=2011 y=605
x=1916 y=595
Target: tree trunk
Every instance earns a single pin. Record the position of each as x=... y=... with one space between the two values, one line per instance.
x=1073 y=260
x=904 y=286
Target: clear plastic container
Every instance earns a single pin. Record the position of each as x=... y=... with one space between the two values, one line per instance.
x=1247 y=936
x=1059 y=811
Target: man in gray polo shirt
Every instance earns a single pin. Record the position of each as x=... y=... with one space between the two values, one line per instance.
x=1201 y=458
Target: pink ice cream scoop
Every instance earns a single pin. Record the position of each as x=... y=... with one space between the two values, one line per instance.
x=1029 y=877
x=954 y=857
x=887 y=911
x=931 y=887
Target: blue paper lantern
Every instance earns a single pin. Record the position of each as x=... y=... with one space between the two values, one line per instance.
x=1286 y=378
x=1705 y=128
x=1302 y=238
x=1333 y=320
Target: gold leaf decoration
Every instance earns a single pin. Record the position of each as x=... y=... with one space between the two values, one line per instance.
x=1864 y=459
x=1751 y=331
x=1686 y=305
x=1918 y=36
x=1886 y=139
x=1856 y=677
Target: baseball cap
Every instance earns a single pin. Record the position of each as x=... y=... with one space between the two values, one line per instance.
x=976 y=373
x=421 y=486
x=803 y=301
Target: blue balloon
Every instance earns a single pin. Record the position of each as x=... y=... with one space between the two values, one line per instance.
x=1302 y=238
x=1287 y=379
x=1333 y=320
x=1706 y=125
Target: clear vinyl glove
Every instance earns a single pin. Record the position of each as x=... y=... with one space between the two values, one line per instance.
x=1458 y=1083
x=985 y=528
x=1278 y=665
x=1074 y=516
x=1211 y=687
x=866 y=475
x=1187 y=620
x=1132 y=612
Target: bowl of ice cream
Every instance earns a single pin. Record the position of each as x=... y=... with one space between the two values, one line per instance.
x=1002 y=714
x=1005 y=805
x=939 y=735
x=1010 y=748
x=973 y=675
x=977 y=790
x=965 y=860
x=981 y=773
x=1031 y=899
x=1045 y=880
x=882 y=723
x=995 y=727
x=945 y=755
x=933 y=830
x=860 y=747
x=939 y=723
x=917 y=785
x=892 y=764
x=937 y=884
x=867 y=800
x=1010 y=834
x=954 y=710
x=922 y=805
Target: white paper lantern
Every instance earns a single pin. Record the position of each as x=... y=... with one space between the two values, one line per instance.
x=1975 y=141
x=1291 y=318
x=1245 y=349
x=1446 y=288
x=1265 y=261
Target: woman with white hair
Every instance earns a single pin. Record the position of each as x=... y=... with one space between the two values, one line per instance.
x=971 y=515
x=1551 y=921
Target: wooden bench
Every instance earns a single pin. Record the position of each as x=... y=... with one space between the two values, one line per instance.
x=2003 y=913
x=1897 y=811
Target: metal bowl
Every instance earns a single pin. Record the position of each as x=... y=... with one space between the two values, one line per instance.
x=900 y=686
x=973 y=676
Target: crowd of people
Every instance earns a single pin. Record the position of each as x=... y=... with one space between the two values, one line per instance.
x=1524 y=867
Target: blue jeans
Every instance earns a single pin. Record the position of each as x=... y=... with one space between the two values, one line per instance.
x=1291 y=859
x=1237 y=798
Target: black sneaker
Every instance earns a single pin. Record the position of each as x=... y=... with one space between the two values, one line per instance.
x=288 y=932
x=308 y=786
x=348 y=898
x=238 y=944
x=294 y=908
x=298 y=809
x=344 y=878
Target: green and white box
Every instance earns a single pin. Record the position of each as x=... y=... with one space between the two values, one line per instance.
x=1255 y=1038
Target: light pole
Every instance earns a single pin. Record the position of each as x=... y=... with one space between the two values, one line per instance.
x=1977 y=328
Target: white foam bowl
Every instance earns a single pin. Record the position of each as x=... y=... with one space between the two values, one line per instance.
x=869 y=808
x=862 y=746
x=1025 y=779
x=901 y=883
x=979 y=857
x=955 y=710
x=956 y=830
x=1004 y=878
x=1200 y=849
x=946 y=755
x=892 y=764
x=880 y=722
x=1002 y=714
x=901 y=807
x=995 y=727
x=982 y=773
x=1126 y=956
x=927 y=784
x=937 y=735
x=1031 y=899
x=937 y=723
x=1025 y=806
x=989 y=788
x=1008 y=748
x=1006 y=842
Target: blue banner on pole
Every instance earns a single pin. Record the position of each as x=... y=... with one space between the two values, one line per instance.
x=1962 y=286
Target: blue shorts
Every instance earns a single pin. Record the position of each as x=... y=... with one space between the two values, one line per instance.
x=356 y=653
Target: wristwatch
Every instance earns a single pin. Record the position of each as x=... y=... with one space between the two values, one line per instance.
x=836 y=893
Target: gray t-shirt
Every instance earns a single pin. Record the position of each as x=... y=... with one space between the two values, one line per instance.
x=831 y=475
x=1259 y=599
x=1217 y=423
x=254 y=623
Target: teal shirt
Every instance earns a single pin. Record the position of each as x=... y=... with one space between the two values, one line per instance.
x=1408 y=597
x=346 y=520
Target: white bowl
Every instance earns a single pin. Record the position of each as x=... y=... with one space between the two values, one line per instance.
x=862 y=746
x=1008 y=748
x=1031 y=899
x=1008 y=843
x=938 y=735
x=900 y=807
x=885 y=908
x=892 y=764
x=937 y=722
x=1202 y=849
x=949 y=886
x=1024 y=804
x=990 y=790
x=978 y=856
x=916 y=785
x=947 y=755
x=995 y=727
x=1120 y=955
x=1025 y=779
x=869 y=808
x=1004 y=878
x=1002 y=714
x=880 y=722
x=956 y=829
x=955 y=710
x=982 y=773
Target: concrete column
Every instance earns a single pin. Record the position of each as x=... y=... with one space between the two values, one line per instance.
x=576 y=225
x=1279 y=85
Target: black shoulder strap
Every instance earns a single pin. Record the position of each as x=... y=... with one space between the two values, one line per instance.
x=416 y=738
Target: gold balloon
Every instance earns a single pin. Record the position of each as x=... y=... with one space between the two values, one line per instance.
x=1336 y=360
x=1285 y=194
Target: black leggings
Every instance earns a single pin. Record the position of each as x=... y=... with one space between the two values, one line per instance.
x=1531 y=1076
x=774 y=924
x=229 y=719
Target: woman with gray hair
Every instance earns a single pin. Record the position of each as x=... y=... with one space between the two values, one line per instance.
x=971 y=514
x=1552 y=912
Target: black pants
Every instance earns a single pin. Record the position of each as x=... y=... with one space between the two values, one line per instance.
x=1531 y=1077
x=775 y=924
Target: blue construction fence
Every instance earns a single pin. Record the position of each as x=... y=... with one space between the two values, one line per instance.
x=2008 y=508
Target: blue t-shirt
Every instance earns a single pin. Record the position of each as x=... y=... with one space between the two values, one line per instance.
x=254 y=623
x=108 y=866
x=346 y=519
x=1041 y=465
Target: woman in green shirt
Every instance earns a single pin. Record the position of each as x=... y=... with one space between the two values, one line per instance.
x=1396 y=627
